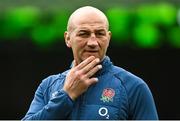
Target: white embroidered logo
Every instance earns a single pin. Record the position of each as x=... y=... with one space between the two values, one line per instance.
x=54 y=94
x=104 y=112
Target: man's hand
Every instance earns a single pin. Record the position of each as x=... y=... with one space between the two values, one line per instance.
x=79 y=77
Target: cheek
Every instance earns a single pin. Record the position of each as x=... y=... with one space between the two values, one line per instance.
x=104 y=47
x=104 y=44
x=78 y=45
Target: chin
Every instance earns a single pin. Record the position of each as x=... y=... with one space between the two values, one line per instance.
x=84 y=57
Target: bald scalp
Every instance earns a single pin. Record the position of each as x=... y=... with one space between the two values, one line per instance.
x=76 y=15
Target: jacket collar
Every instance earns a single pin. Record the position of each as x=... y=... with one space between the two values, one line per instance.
x=106 y=64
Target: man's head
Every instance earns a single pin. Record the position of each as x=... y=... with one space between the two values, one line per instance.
x=87 y=33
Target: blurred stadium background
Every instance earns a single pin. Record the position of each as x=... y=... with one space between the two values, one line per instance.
x=145 y=41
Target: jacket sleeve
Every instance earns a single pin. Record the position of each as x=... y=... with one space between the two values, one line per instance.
x=142 y=104
x=57 y=107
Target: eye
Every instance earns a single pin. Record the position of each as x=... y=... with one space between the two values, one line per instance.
x=100 y=33
x=83 y=34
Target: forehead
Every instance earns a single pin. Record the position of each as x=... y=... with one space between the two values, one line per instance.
x=89 y=20
x=90 y=27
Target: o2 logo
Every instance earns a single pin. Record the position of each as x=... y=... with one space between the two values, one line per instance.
x=104 y=112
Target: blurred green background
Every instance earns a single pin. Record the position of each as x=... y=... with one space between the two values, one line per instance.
x=136 y=24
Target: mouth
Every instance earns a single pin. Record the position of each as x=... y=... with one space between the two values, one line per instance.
x=87 y=53
x=92 y=51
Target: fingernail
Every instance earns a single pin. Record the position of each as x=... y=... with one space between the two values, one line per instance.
x=99 y=66
x=96 y=79
x=97 y=60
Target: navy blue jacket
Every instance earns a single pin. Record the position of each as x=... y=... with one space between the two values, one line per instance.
x=118 y=95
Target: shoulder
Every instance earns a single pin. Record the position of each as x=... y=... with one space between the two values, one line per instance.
x=133 y=84
x=130 y=81
x=126 y=76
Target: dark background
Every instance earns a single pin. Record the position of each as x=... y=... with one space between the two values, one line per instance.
x=23 y=66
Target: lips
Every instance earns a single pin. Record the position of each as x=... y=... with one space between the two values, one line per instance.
x=88 y=53
x=91 y=51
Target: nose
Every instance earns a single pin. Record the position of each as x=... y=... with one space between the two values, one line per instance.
x=92 y=41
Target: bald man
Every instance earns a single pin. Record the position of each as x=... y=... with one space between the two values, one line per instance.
x=93 y=88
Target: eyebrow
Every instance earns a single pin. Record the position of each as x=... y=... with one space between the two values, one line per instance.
x=86 y=29
x=100 y=30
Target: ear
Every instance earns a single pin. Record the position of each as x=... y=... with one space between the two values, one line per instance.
x=109 y=34
x=67 y=39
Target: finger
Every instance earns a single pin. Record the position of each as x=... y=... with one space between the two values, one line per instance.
x=90 y=66
x=91 y=81
x=85 y=62
x=93 y=71
x=74 y=64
